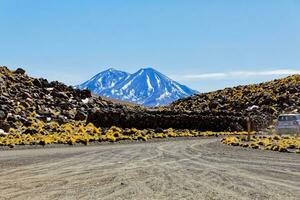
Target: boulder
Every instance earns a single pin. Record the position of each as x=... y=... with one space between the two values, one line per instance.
x=80 y=116
x=20 y=71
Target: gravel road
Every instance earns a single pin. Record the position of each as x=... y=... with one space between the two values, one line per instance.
x=177 y=169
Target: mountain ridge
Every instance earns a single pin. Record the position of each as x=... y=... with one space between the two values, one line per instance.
x=147 y=86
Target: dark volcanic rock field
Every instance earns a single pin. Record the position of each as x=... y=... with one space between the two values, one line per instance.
x=23 y=98
x=270 y=98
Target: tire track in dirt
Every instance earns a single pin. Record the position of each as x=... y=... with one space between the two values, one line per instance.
x=181 y=169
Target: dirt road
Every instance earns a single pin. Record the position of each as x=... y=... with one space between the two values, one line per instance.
x=184 y=169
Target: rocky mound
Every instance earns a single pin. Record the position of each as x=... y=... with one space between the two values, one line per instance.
x=269 y=98
x=30 y=105
x=24 y=100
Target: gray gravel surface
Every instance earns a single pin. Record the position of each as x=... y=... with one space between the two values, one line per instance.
x=180 y=169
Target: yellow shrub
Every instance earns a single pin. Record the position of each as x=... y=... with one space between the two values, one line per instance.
x=111 y=138
x=81 y=129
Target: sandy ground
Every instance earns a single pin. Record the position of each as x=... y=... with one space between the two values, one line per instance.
x=184 y=169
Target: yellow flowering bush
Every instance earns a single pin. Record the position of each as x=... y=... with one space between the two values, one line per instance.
x=273 y=143
x=45 y=133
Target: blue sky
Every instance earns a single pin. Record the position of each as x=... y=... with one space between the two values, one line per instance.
x=206 y=45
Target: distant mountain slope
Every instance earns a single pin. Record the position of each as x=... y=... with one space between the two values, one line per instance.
x=147 y=87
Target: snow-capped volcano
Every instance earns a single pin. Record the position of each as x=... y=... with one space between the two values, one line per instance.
x=147 y=87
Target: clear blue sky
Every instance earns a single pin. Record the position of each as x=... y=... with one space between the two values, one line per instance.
x=204 y=44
